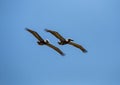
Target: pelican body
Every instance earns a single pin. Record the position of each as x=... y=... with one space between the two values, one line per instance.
x=64 y=41
x=41 y=41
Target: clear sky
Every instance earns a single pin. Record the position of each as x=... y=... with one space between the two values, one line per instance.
x=95 y=24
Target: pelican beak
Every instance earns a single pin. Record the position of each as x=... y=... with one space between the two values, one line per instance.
x=72 y=40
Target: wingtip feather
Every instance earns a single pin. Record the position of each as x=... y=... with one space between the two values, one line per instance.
x=27 y=29
x=46 y=30
x=63 y=54
x=85 y=51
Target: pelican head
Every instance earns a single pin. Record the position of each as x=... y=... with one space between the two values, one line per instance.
x=68 y=40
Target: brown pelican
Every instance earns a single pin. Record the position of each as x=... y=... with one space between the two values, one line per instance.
x=44 y=42
x=64 y=41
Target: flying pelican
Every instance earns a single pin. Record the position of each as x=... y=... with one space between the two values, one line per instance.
x=64 y=41
x=41 y=41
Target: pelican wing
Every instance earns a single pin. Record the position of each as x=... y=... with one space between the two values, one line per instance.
x=35 y=34
x=56 y=34
x=56 y=49
x=78 y=46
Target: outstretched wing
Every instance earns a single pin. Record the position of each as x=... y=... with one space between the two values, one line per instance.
x=56 y=34
x=35 y=34
x=78 y=46
x=56 y=49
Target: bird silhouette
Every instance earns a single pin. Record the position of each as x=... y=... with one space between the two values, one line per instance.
x=41 y=41
x=64 y=41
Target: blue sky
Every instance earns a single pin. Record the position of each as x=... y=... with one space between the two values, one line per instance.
x=95 y=24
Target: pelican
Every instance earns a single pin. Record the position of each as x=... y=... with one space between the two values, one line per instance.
x=64 y=41
x=41 y=41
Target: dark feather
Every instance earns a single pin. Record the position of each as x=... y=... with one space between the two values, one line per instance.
x=35 y=34
x=78 y=46
x=56 y=49
x=56 y=34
